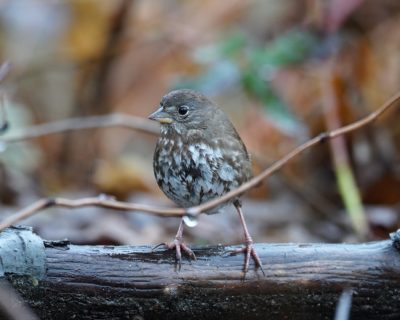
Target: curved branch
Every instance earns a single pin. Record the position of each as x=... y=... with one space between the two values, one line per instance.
x=322 y=137
x=196 y=210
x=73 y=124
x=100 y=201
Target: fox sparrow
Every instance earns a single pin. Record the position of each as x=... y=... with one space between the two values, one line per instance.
x=199 y=156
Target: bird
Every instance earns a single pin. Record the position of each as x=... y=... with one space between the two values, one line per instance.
x=199 y=156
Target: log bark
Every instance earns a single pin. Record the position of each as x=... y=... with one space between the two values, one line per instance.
x=303 y=281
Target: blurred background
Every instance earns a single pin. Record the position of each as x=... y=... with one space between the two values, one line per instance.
x=283 y=70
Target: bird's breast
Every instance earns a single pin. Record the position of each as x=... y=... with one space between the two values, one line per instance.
x=191 y=174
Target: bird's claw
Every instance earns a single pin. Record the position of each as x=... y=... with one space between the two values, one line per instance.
x=249 y=251
x=179 y=247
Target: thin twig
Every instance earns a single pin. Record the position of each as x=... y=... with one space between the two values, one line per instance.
x=73 y=124
x=4 y=71
x=344 y=305
x=195 y=211
x=3 y=116
x=322 y=137
x=100 y=201
x=5 y=68
x=12 y=305
x=115 y=35
x=347 y=185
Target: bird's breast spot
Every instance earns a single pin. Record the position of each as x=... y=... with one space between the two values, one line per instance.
x=195 y=153
x=217 y=153
x=176 y=184
x=177 y=129
x=177 y=159
x=207 y=150
x=220 y=189
x=205 y=172
x=226 y=172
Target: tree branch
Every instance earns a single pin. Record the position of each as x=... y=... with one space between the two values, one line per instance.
x=322 y=137
x=100 y=201
x=136 y=123
x=302 y=281
x=73 y=124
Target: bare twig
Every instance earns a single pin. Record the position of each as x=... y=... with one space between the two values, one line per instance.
x=347 y=186
x=344 y=305
x=12 y=305
x=5 y=68
x=322 y=137
x=195 y=211
x=100 y=201
x=115 y=35
x=3 y=116
x=111 y=120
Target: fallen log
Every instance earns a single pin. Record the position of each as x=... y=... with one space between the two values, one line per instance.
x=59 y=280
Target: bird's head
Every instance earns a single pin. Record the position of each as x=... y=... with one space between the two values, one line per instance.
x=183 y=110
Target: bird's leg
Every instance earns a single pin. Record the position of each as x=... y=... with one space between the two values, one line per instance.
x=179 y=246
x=248 y=249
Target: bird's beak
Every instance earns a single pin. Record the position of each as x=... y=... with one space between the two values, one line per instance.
x=161 y=116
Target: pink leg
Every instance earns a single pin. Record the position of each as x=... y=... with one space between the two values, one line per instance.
x=248 y=249
x=179 y=246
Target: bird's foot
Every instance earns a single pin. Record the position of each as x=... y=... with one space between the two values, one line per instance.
x=249 y=251
x=179 y=246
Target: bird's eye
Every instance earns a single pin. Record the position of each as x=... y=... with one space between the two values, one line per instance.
x=183 y=110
